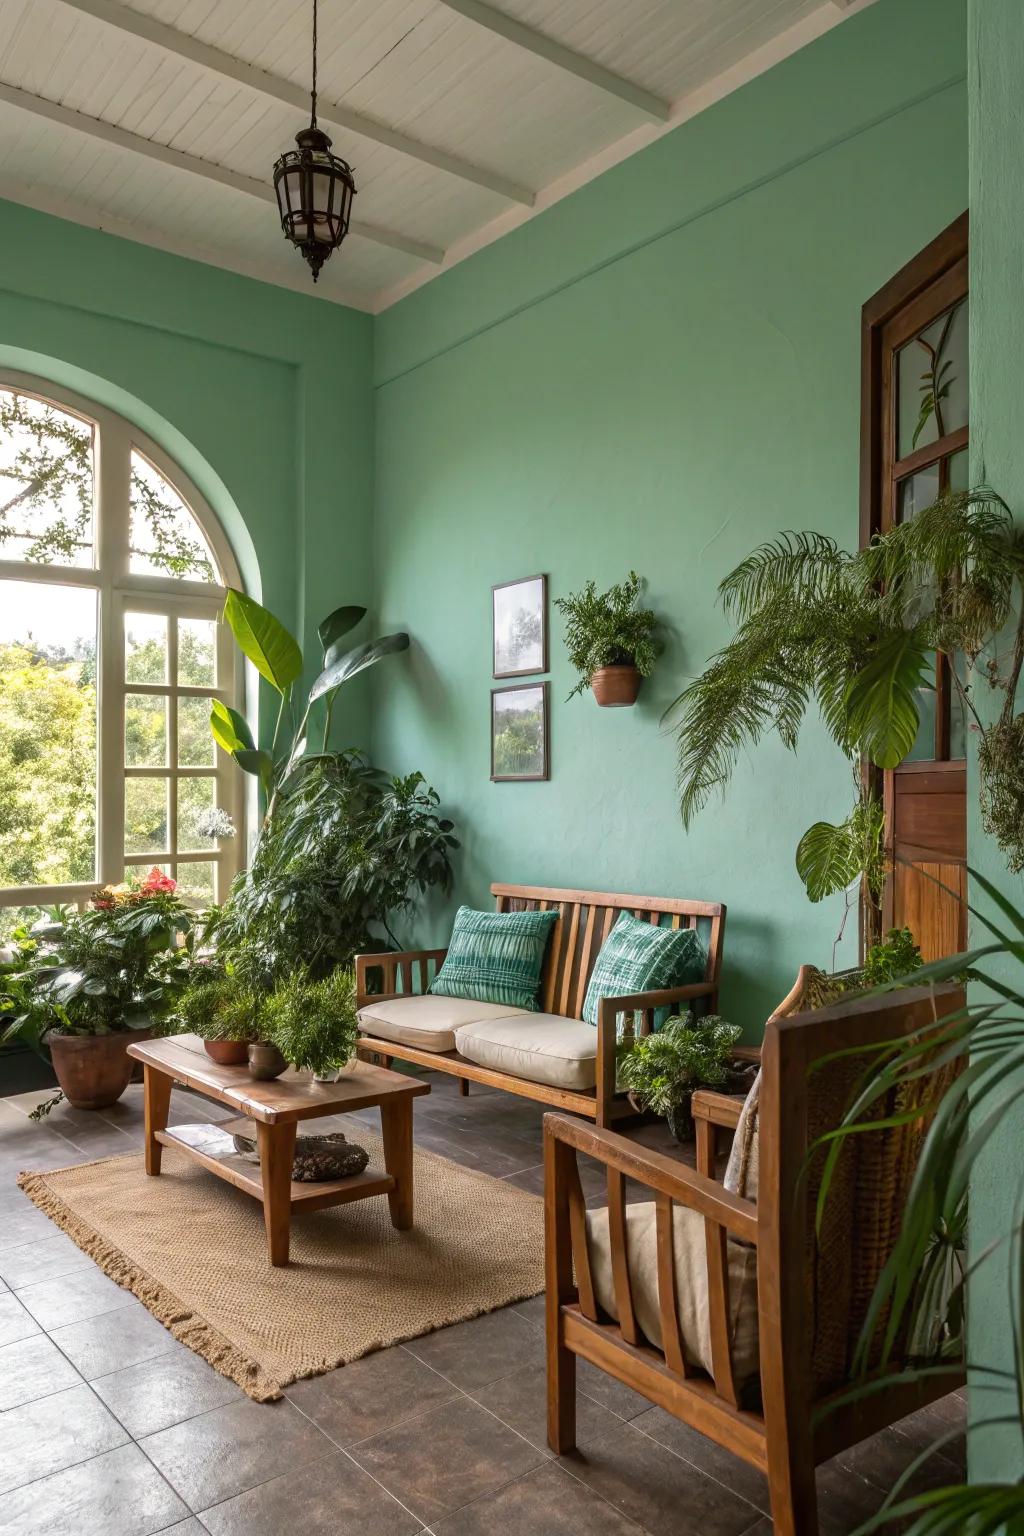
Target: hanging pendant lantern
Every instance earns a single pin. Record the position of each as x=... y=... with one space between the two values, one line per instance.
x=314 y=188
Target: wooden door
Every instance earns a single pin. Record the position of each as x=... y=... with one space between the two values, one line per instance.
x=914 y=446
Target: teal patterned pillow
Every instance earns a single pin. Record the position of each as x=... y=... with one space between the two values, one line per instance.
x=640 y=957
x=495 y=957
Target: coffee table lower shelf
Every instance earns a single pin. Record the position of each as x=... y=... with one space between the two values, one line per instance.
x=230 y=1165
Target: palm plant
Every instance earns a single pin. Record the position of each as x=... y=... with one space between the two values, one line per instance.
x=856 y=634
x=921 y=1291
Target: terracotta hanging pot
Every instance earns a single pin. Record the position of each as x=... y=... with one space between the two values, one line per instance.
x=228 y=1053
x=615 y=687
x=93 y=1070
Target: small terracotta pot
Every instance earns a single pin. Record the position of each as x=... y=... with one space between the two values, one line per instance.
x=265 y=1061
x=93 y=1070
x=228 y=1053
x=615 y=687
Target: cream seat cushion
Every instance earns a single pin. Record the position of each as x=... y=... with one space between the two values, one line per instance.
x=429 y=1022
x=540 y=1047
x=691 y=1284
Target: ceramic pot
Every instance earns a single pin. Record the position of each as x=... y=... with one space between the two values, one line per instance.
x=227 y=1053
x=332 y=1077
x=94 y=1070
x=680 y=1121
x=616 y=687
x=265 y=1061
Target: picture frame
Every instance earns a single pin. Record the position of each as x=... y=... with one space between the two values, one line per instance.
x=519 y=627
x=520 y=733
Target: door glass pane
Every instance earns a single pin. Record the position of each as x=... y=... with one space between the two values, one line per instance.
x=195 y=743
x=195 y=796
x=917 y=492
x=145 y=731
x=197 y=653
x=932 y=381
x=195 y=883
x=145 y=815
x=47 y=734
x=46 y=483
x=164 y=537
x=145 y=648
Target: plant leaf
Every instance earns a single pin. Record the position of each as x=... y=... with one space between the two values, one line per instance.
x=881 y=699
x=356 y=660
x=339 y=623
x=259 y=763
x=828 y=859
x=230 y=729
x=263 y=640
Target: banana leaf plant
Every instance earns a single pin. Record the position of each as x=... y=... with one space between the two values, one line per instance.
x=277 y=657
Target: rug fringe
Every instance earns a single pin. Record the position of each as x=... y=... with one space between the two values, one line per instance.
x=188 y=1327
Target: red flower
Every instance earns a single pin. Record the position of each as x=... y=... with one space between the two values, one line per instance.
x=157 y=883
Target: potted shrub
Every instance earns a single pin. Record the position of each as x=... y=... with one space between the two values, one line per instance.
x=223 y=1011
x=662 y=1070
x=611 y=640
x=101 y=979
x=313 y=1023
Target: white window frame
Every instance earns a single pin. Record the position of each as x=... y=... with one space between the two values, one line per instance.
x=120 y=590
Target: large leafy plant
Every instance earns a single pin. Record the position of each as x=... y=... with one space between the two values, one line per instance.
x=343 y=848
x=606 y=629
x=662 y=1069
x=856 y=634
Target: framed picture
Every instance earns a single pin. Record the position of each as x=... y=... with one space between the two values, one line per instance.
x=519 y=612
x=519 y=732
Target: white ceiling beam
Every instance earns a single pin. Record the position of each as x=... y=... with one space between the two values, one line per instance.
x=565 y=58
x=109 y=133
x=124 y=19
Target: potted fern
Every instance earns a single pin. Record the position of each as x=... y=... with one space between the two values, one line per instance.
x=661 y=1071
x=611 y=640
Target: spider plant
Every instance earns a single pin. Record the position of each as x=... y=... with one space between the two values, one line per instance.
x=921 y=1292
x=856 y=633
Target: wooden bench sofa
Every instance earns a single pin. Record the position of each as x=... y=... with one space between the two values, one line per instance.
x=552 y=1056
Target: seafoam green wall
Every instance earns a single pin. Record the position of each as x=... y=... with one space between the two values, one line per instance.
x=658 y=373
x=262 y=394
x=996 y=95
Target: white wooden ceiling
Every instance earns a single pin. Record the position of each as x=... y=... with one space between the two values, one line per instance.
x=160 y=120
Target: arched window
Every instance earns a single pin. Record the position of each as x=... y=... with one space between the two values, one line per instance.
x=112 y=577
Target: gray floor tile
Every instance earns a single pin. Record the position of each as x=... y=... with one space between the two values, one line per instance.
x=520 y=1400
x=701 y=1452
x=370 y=1395
x=610 y=1393
x=54 y=1432
x=114 y=1340
x=189 y=1527
x=656 y=1488
x=446 y=1458
x=73 y=1297
x=45 y=1259
x=15 y=1322
x=116 y=1494
x=474 y=1353
x=25 y=1224
x=547 y=1501
x=163 y=1391
x=31 y=1368
x=224 y=1452
x=332 y=1498
x=532 y=1310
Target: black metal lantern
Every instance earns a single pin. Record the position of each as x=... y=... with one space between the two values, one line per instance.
x=314 y=189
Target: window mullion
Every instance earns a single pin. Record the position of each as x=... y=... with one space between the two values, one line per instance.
x=113 y=491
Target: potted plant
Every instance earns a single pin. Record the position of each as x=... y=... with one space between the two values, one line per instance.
x=101 y=979
x=611 y=640
x=223 y=1011
x=313 y=1023
x=662 y=1070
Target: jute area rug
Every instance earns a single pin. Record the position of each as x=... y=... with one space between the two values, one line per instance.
x=193 y=1249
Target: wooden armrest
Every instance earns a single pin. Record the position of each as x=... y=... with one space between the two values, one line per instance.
x=719 y=1108
x=635 y=1002
x=658 y=1172
x=748 y=1053
x=395 y=963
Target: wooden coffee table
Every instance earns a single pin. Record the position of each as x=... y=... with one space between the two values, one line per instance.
x=276 y=1109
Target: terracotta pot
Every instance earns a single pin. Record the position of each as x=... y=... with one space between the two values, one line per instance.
x=94 y=1070
x=265 y=1061
x=615 y=687
x=228 y=1053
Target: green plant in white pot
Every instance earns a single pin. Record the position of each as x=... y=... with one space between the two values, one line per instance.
x=313 y=1023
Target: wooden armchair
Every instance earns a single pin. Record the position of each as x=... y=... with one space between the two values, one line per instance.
x=812 y=1291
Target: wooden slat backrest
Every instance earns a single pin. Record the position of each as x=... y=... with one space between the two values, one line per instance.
x=585 y=919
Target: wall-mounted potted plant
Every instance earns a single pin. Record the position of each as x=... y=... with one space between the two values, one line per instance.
x=611 y=640
x=662 y=1070
x=99 y=980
